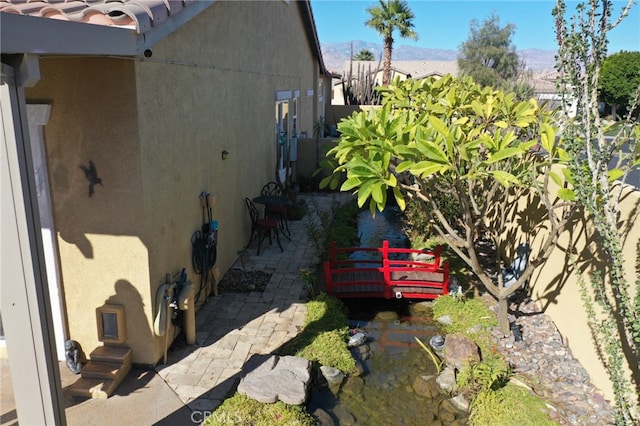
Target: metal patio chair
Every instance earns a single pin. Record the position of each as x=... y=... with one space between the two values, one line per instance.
x=261 y=227
x=279 y=211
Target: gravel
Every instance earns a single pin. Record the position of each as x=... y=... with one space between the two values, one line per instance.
x=235 y=280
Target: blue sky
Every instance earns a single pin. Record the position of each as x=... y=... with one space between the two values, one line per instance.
x=445 y=24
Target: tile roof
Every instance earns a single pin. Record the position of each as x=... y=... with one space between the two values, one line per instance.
x=141 y=15
x=545 y=81
x=417 y=69
x=22 y=29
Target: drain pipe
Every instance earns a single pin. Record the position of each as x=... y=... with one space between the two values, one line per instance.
x=164 y=294
x=187 y=304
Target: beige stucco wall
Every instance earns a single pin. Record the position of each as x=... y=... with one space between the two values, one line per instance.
x=554 y=285
x=103 y=256
x=155 y=128
x=211 y=87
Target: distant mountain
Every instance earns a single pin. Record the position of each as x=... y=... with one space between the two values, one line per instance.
x=335 y=54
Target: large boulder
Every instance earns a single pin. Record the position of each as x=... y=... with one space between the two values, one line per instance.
x=278 y=378
x=459 y=351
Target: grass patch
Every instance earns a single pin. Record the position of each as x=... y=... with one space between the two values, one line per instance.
x=323 y=339
x=464 y=313
x=241 y=410
x=508 y=406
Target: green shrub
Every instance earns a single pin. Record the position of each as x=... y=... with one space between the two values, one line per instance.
x=297 y=210
x=241 y=410
x=492 y=373
x=418 y=217
x=509 y=406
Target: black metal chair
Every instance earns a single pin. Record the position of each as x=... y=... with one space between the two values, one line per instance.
x=261 y=227
x=278 y=211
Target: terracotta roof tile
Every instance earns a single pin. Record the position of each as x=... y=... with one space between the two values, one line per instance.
x=142 y=15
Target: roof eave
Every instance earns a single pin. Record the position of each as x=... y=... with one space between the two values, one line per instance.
x=43 y=36
x=312 y=34
x=29 y=34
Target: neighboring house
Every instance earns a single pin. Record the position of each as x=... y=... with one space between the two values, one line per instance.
x=371 y=71
x=544 y=88
x=151 y=93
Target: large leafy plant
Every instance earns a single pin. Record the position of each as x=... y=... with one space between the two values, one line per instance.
x=477 y=145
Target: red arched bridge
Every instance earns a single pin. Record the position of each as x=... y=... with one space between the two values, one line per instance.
x=386 y=272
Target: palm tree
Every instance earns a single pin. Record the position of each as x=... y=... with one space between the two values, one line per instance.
x=364 y=55
x=391 y=15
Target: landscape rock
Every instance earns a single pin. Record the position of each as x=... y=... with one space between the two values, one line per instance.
x=323 y=418
x=460 y=402
x=545 y=362
x=459 y=350
x=353 y=386
x=425 y=386
x=447 y=379
x=356 y=340
x=278 y=378
x=333 y=376
x=423 y=307
x=445 y=320
x=345 y=417
x=387 y=315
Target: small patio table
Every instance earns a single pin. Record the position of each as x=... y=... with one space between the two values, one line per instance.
x=276 y=200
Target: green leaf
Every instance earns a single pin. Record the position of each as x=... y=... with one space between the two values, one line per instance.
x=615 y=174
x=364 y=192
x=399 y=198
x=376 y=192
x=566 y=194
x=439 y=125
x=567 y=175
x=427 y=168
x=503 y=153
x=506 y=179
x=433 y=152
x=547 y=137
x=350 y=184
x=404 y=166
x=325 y=182
x=555 y=178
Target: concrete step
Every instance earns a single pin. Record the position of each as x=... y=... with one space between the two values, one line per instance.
x=107 y=368
x=87 y=387
x=104 y=370
x=114 y=354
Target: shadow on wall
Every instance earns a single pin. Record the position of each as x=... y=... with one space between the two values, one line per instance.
x=579 y=253
x=138 y=335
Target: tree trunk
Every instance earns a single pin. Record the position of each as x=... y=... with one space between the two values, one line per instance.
x=386 y=71
x=503 y=316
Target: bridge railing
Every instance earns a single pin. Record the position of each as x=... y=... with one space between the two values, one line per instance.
x=390 y=272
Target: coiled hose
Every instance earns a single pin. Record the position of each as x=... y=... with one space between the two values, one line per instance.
x=203 y=258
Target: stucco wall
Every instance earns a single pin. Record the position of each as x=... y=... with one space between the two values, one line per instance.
x=103 y=255
x=211 y=87
x=155 y=129
x=554 y=285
